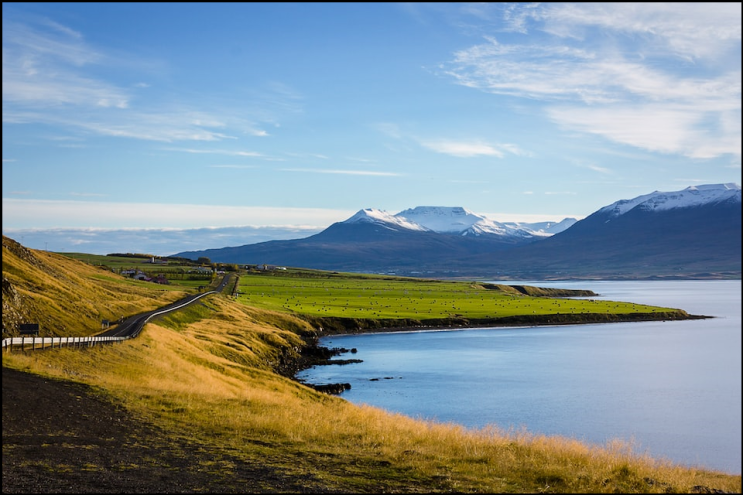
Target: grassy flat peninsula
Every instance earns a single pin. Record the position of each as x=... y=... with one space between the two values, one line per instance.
x=349 y=303
x=206 y=379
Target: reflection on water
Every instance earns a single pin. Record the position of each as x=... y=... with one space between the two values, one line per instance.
x=672 y=387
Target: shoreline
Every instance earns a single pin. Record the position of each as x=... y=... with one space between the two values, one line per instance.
x=473 y=326
x=313 y=354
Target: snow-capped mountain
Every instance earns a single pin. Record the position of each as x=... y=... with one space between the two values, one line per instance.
x=689 y=197
x=693 y=233
x=458 y=220
x=379 y=217
x=544 y=229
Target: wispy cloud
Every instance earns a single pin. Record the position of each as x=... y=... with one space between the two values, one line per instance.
x=632 y=87
x=253 y=154
x=596 y=168
x=389 y=129
x=664 y=128
x=463 y=149
x=342 y=172
x=51 y=76
x=472 y=148
x=42 y=67
x=232 y=166
x=690 y=31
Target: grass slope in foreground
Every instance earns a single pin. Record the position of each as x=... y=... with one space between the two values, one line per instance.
x=207 y=376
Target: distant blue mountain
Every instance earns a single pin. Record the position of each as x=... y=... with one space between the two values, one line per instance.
x=691 y=233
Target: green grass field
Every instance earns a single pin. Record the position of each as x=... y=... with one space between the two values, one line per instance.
x=378 y=297
x=178 y=273
x=113 y=261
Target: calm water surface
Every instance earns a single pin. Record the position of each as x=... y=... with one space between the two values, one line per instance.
x=672 y=388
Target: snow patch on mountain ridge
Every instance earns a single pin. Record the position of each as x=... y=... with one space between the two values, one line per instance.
x=446 y=220
x=373 y=215
x=689 y=197
x=449 y=220
x=544 y=228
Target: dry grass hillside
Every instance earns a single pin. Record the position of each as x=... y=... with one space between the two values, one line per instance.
x=207 y=378
x=68 y=298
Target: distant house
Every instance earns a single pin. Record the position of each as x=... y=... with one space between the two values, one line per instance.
x=156 y=261
x=160 y=279
x=141 y=276
x=128 y=273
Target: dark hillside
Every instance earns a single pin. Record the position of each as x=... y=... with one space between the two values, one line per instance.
x=698 y=241
x=357 y=247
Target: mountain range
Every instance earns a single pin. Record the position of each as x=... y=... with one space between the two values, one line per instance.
x=692 y=233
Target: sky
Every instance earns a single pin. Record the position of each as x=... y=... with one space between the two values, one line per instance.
x=164 y=127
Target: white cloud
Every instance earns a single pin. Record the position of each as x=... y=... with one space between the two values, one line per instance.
x=467 y=149
x=342 y=172
x=596 y=168
x=41 y=68
x=653 y=127
x=219 y=152
x=661 y=77
x=50 y=76
x=159 y=242
x=689 y=30
x=463 y=149
x=232 y=166
x=19 y=213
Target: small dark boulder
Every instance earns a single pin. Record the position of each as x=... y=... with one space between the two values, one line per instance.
x=332 y=388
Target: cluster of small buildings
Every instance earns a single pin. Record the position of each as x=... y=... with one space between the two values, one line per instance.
x=140 y=275
x=267 y=268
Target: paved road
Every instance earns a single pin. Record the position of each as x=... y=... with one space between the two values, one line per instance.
x=131 y=326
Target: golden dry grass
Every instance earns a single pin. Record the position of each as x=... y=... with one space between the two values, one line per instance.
x=69 y=298
x=213 y=380
x=207 y=373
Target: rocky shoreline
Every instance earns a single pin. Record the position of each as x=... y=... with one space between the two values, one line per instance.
x=314 y=354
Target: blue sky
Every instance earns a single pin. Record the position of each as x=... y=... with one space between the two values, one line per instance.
x=146 y=127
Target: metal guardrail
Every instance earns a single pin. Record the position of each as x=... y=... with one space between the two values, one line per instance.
x=38 y=343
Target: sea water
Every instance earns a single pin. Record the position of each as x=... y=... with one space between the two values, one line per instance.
x=672 y=389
